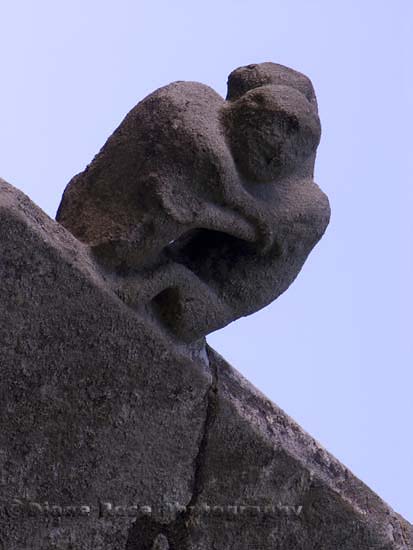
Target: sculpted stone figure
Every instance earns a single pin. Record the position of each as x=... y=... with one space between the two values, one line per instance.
x=201 y=210
x=197 y=210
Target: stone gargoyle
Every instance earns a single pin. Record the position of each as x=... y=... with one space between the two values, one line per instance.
x=200 y=210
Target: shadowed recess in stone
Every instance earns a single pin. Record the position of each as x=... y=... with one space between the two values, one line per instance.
x=201 y=210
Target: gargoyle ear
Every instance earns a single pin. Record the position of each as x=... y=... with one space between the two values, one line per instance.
x=243 y=79
x=178 y=204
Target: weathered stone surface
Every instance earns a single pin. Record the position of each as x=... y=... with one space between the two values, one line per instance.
x=296 y=495
x=97 y=405
x=120 y=428
x=203 y=210
x=94 y=404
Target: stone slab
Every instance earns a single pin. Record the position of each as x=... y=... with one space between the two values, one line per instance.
x=99 y=408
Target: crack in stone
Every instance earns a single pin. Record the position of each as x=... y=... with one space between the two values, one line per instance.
x=211 y=413
x=150 y=534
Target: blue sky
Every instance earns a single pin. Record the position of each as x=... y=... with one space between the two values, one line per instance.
x=335 y=351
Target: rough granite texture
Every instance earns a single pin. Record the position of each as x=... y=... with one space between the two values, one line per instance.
x=98 y=406
x=121 y=429
x=204 y=210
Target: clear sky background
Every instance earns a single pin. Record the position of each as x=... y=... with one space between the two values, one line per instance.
x=335 y=351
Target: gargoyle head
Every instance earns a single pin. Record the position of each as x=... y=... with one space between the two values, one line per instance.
x=201 y=210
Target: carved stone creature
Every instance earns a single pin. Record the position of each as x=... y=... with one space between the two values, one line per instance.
x=201 y=210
